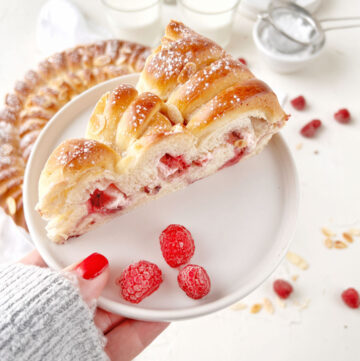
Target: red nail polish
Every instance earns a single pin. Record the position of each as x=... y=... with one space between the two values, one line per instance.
x=92 y=266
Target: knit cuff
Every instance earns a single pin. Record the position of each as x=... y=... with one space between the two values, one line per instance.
x=43 y=317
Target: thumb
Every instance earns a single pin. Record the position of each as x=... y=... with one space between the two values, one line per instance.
x=92 y=274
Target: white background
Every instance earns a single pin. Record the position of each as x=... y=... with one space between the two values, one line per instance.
x=330 y=184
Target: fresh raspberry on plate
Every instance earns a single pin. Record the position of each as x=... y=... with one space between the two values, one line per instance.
x=298 y=103
x=342 y=116
x=309 y=130
x=139 y=280
x=351 y=298
x=177 y=245
x=194 y=281
x=282 y=288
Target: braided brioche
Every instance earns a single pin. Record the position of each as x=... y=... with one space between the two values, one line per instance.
x=42 y=93
x=196 y=110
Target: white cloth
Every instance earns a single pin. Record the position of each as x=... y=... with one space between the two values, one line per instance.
x=61 y=25
x=14 y=241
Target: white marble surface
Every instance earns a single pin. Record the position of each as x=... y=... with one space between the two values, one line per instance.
x=326 y=330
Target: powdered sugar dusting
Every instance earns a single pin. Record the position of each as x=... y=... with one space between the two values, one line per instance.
x=232 y=98
x=141 y=109
x=203 y=78
x=169 y=62
x=80 y=151
x=120 y=91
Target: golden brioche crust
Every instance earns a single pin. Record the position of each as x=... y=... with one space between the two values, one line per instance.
x=252 y=94
x=207 y=82
x=84 y=154
x=182 y=50
x=42 y=93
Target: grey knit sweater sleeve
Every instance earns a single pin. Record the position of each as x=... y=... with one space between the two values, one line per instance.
x=43 y=317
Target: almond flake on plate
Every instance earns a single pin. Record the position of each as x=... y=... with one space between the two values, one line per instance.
x=347 y=236
x=326 y=232
x=238 y=306
x=303 y=305
x=295 y=277
x=296 y=260
x=256 y=308
x=268 y=306
x=328 y=243
x=354 y=232
x=299 y=146
x=340 y=245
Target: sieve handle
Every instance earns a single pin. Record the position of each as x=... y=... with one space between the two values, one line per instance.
x=346 y=19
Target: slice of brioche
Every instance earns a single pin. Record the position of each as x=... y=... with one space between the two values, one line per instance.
x=196 y=110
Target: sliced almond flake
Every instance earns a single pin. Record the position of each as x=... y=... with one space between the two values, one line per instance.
x=328 y=243
x=268 y=306
x=281 y=302
x=299 y=146
x=255 y=308
x=348 y=237
x=340 y=245
x=326 y=232
x=11 y=205
x=296 y=260
x=238 y=306
x=304 y=305
x=354 y=232
x=294 y=277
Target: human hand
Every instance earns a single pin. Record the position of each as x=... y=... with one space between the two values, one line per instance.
x=126 y=338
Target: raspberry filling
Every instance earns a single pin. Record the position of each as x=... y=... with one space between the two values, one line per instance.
x=171 y=167
x=235 y=139
x=107 y=201
x=199 y=162
x=152 y=191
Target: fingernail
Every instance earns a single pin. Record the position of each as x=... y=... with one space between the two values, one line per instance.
x=92 y=266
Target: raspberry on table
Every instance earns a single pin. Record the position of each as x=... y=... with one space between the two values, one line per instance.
x=194 y=281
x=242 y=60
x=351 y=298
x=342 y=116
x=139 y=280
x=298 y=103
x=282 y=288
x=310 y=128
x=177 y=245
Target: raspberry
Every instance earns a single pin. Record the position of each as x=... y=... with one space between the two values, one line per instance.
x=194 y=281
x=310 y=128
x=242 y=60
x=282 y=288
x=177 y=245
x=139 y=280
x=298 y=103
x=351 y=297
x=342 y=116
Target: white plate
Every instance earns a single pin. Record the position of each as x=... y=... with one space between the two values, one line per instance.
x=242 y=220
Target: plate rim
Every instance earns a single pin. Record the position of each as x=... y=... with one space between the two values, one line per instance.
x=186 y=313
